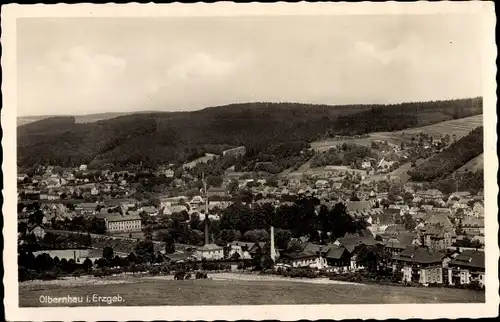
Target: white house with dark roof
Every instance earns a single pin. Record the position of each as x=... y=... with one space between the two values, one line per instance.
x=210 y=252
x=467 y=267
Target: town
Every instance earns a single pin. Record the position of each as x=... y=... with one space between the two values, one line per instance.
x=347 y=214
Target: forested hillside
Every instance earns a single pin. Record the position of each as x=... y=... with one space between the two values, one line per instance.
x=405 y=115
x=451 y=158
x=154 y=138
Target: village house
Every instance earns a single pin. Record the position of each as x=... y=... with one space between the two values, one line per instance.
x=169 y=210
x=472 y=226
x=478 y=210
x=219 y=192
x=438 y=237
x=22 y=177
x=339 y=258
x=396 y=243
x=172 y=201
x=321 y=184
x=304 y=259
x=467 y=267
x=242 y=249
x=86 y=209
x=442 y=210
x=169 y=173
x=210 y=252
x=358 y=208
x=116 y=223
x=219 y=205
x=196 y=202
x=380 y=221
x=36 y=230
x=94 y=191
x=430 y=195
x=366 y=164
x=384 y=165
x=421 y=265
x=150 y=210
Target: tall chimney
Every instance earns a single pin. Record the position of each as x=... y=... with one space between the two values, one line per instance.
x=206 y=210
x=273 y=253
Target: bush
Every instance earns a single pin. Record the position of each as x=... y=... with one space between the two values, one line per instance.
x=155 y=270
x=200 y=275
x=298 y=273
x=179 y=275
x=52 y=275
x=25 y=274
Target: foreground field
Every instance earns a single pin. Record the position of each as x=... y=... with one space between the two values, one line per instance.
x=155 y=292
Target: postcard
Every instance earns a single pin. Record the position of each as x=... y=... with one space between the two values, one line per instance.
x=250 y=161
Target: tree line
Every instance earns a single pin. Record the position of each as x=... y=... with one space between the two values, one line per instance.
x=158 y=138
x=241 y=222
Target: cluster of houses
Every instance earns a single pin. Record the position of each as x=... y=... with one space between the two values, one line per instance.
x=424 y=248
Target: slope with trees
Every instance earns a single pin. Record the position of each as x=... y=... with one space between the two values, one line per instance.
x=155 y=138
x=451 y=158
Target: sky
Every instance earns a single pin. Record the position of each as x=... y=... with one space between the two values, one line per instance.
x=93 y=65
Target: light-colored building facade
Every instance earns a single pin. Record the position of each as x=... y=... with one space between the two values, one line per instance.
x=117 y=223
x=467 y=267
x=210 y=252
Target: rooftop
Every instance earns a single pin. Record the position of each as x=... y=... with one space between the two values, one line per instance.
x=420 y=255
x=117 y=217
x=469 y=258
x=208 y=247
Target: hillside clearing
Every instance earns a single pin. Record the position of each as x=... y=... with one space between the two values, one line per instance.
x=473 y=165
x=458 y=127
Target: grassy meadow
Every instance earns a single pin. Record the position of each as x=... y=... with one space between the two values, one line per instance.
x=156 y=292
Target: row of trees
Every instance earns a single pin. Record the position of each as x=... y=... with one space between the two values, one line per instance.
x=52 y=241
x=244 y=223
x=345 y=154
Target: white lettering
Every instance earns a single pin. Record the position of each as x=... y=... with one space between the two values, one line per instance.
x=45 y=299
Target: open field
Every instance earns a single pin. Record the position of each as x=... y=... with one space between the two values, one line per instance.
x=458 y=127
x=147 y=292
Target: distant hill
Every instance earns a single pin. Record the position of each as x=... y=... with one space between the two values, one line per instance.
x=23 y=120
x=179 y=137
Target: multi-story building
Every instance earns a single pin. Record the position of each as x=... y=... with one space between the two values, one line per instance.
x=421 y=265
x=220 y=192
x=467 y=267
x=210 y=252
x=116 y=223
x=430 y=195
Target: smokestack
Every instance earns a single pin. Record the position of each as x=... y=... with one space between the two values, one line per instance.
x=273 y=253
x=206 y=210
x=206 y=229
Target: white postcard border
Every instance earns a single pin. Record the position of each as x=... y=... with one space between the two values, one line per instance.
x=282 y=312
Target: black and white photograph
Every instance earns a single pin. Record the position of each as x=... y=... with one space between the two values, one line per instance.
x=250 y=156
